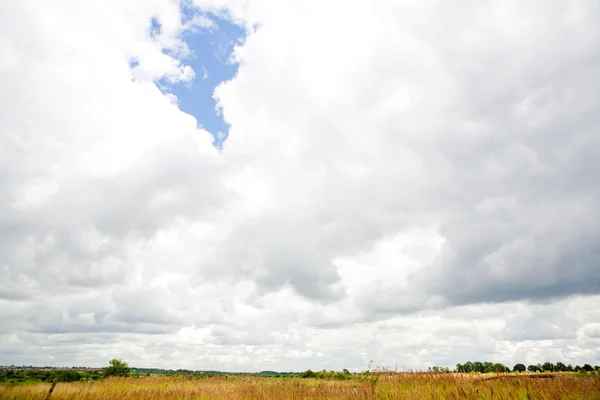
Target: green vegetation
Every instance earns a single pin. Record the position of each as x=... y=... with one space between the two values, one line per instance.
x=117 y=367
x=37 y=375
x=345 y=374
x=520 y=368
x=488 y=367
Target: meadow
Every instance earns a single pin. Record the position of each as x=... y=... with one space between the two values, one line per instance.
x=384 y=386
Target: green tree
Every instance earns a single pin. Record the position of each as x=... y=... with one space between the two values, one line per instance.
x=488 y=367
x=478 y=367
x=519 y=368
x=308 y=374
x=500 y=368
x=534 y=368
x=117 y=367
x=69 y=376
x=548 y=366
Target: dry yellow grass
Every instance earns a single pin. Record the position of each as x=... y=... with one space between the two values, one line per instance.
x=389 y=386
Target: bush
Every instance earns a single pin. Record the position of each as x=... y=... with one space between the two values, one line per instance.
x=519 y=368
x=340 y=376
x=117 y=368
x=68 y=376
x=308 y=374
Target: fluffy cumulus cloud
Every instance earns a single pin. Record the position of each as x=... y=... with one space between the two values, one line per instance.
x=409 y=182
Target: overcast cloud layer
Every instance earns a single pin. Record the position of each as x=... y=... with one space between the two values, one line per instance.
x=411 y=182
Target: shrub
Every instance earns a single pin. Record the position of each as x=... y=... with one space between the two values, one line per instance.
x=68 y=376
x=308 y=374
x=117 y=368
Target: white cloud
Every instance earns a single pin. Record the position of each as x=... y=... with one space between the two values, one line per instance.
x=407 y=182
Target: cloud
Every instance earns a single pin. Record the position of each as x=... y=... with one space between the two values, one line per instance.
x=405 y=182
x=472 y=125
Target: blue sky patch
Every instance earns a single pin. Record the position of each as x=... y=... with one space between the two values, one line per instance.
x=155 y=27
x=210 y=59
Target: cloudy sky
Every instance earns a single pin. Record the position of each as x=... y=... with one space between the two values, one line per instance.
x=263 y=184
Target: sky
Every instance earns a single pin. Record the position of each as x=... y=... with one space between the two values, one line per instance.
x=250 y=185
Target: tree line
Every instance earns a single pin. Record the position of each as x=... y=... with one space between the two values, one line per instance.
x=34 y=375
x=120 y=368
x=487 y=367
x=23 y=375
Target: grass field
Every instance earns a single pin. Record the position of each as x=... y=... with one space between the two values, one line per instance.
x=388 y=386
